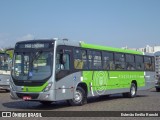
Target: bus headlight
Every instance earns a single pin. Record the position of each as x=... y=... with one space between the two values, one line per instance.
x=47 y=88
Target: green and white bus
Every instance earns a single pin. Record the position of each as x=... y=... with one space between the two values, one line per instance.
x=53 y=70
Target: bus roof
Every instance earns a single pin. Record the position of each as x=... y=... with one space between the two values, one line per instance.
x=85 y=45
x=98 y=47
x=37 y=40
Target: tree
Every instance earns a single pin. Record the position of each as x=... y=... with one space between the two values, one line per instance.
x=8 y=51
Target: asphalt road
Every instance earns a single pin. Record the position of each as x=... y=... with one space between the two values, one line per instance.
x=148 y=100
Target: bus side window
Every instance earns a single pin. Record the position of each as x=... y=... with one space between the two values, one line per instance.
x=130 y=62
x=94 y=59
x=67 y=63
x=90 y=60
x=60 y=66
x=139 y=62
x=80 y=59
x=153 y=63
x=97 y=60
x=119 y=61
x=108 y=63
x=148 y=63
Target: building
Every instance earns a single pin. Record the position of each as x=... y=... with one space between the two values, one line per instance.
x=156 y=48
x=148 y=49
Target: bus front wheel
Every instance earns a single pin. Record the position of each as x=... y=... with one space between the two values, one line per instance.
x=80 y=97
x=132 y=93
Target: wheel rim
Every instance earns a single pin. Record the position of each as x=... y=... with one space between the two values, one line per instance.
x=78 y=97
x=133 y=90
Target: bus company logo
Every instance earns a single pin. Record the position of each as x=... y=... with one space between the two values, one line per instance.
x=100 y=81
x=6 y=114
x=74 y=78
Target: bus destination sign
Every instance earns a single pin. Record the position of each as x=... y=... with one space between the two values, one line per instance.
x=34 y=45
x=37 y=45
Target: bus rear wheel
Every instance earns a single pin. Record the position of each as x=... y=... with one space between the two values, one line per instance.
x=80 y=97
x=132 y=93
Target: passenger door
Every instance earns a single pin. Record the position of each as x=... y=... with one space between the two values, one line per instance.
x=64 y=68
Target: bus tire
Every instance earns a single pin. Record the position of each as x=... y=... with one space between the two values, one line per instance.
x=132 y=93
x=158 y=89
x=80 y=97
x=46 y=102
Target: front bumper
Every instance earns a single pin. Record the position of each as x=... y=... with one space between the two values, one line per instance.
x=4 y=87
x=41 y=96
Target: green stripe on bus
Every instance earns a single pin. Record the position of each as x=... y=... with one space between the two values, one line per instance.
x=98 y=47
x=35 y=88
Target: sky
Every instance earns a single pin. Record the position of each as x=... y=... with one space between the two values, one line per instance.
x=115 y=23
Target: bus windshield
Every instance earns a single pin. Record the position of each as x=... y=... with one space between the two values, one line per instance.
x=35 y=65
x=5 y=64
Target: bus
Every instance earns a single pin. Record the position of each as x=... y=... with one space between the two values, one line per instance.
x=157 y=70
x=53 y=70
x=5 y=70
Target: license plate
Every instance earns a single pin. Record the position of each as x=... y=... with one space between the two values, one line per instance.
x=27 y=98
